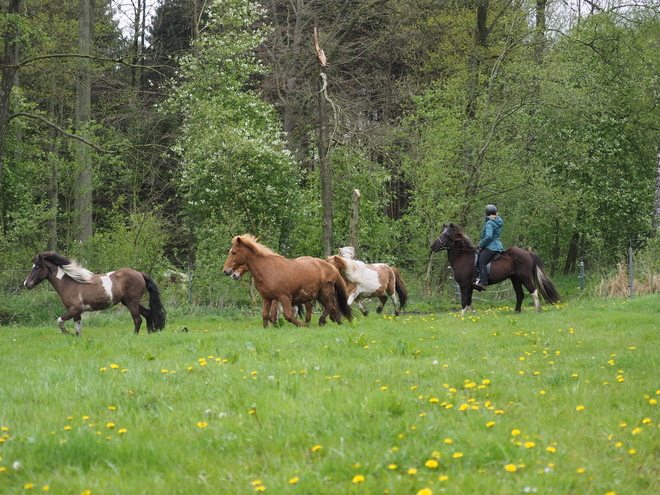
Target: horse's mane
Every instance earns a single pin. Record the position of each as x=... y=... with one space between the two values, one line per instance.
x=457 y=235
x=68 y=266
x=258 y=248
x=349 y=267
x=347 y=252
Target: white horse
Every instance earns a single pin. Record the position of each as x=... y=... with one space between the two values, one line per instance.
x=373 y=280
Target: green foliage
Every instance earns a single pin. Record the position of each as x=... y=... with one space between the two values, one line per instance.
x=235 y=170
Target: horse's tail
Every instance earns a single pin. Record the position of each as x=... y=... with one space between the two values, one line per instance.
x=400 y=287
x=341 y=295
x=156 y=308
x=542 y=282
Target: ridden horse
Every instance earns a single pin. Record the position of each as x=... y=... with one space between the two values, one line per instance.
x=81 y=290
x=522 y=267
x=374 y=280
x=290 y=281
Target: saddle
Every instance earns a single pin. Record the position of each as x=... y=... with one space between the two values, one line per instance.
x=497 y=256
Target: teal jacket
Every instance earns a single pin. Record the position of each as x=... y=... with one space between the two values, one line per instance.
x=490 y=234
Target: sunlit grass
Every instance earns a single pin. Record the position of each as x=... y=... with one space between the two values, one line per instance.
x=496 y=402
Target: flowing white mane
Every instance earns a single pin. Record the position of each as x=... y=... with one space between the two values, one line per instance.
x=77 y=272
x=347 y=252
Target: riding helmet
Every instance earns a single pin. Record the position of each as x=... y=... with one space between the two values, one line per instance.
x=491 y=210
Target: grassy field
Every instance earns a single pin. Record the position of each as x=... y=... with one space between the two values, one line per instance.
x=562 y=402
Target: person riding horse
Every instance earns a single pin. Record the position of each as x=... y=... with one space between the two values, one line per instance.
x=489 y=245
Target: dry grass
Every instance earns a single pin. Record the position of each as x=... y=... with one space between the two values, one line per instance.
x=619 y=285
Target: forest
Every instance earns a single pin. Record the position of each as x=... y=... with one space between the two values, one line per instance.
x=148 y=134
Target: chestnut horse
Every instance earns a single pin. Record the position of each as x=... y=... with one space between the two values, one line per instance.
x=81 y=290
x=374 y=280
x=290 y=281
x=522 y=267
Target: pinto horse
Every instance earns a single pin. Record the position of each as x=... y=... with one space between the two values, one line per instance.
x=292 y=282
x=375 y=280
x=522 y=267
x=81 y=290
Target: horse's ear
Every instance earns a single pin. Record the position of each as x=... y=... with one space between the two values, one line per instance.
x=451 y=225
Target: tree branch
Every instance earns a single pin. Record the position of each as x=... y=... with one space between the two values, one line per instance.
x=59 y=129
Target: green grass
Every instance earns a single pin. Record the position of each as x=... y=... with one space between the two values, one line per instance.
x=567 y=398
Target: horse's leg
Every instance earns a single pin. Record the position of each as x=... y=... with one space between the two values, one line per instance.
x=266 y=307
x=135 y=310
x=383 y=300
x=77 y=324
x=529 y=285
x=147 y=316
x=308 y=313
x=466 y=299
x=71 y=313
x=288 y=312
x=520 y=295
x=358 y=301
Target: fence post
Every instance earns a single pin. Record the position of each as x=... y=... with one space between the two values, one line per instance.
x=630 y=270
x=581 y=276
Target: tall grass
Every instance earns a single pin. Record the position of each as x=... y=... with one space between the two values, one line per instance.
x=565 y=401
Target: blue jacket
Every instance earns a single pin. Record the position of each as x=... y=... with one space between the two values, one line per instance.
x=490 y=234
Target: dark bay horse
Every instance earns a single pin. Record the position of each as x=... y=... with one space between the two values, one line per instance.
x=81 y=290
x=370 y=280
x=522 y=267
x=292 y=282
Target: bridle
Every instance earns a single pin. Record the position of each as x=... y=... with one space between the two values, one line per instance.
x=444 y=247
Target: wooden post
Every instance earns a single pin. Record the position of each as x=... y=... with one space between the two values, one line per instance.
x=354 y=227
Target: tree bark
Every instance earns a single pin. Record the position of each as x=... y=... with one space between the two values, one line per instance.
x=9 y=71
x=354 y=227
x=656 y=212
x=83 y=193
x=324 y=165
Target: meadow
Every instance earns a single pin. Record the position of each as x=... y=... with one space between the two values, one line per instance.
x=562 y=402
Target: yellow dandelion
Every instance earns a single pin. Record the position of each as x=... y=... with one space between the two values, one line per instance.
x=27 y=486
x=109 y=425
x=551 y=449
x=45 y=488
x=293 y=481
x=579 y=408
x=202 y=424
x=636 y=431
x=392 y=466
x=122 y=430
x=425 y=491
x=358 y=478
x=412 y=471
x=490 y=424
x=315 y=448
x=511 y=468
x=632 y=451
x=256 y=483
x=457 y=455
x=580 y=470
x=515 y=432
x=431 y=463
x=114 y=366
x=529 y=445
x=260 y=488
x=448 y=440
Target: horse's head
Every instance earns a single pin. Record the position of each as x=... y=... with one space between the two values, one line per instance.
x=338 y=262
x=39 y=272
x=237 y=260
x=445 y=239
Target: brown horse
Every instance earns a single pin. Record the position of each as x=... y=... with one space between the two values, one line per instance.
x=290 y=281
x=81 y=290
x=522 y=267
x=374 y=280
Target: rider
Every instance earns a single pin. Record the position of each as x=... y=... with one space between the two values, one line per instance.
x=489 y=245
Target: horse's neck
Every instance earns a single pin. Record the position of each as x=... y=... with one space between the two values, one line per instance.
x=457 y=253
x=354 y=270
x=261 y=266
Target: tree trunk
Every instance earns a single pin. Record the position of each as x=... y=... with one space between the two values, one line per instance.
x=83 y=199
x=571 y=257
x=656 y=212
x=324 y=170
x=52 y=186
x=8 y=71
x=354 y=227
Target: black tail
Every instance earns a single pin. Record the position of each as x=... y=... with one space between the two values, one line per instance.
x=342 y=297
x=156 y=308
x=542 y=282
x=401 y=290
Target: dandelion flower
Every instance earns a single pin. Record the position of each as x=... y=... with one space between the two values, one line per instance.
x=551 y=449
x=425 y=491
x=579 y=408
x=315 y=448
x=636 y=431
x=358 y=478
x=293 y=481
x=529 y=445
x=431 y=463
x=27 y=486
x=457 y=455
x=412 y=471
x=515 y=432
x=511 y=468
x=448 y=440
x=490 y=424
x=123 y=430
x=202 y=424
x=110 y=425
x=392 y=466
